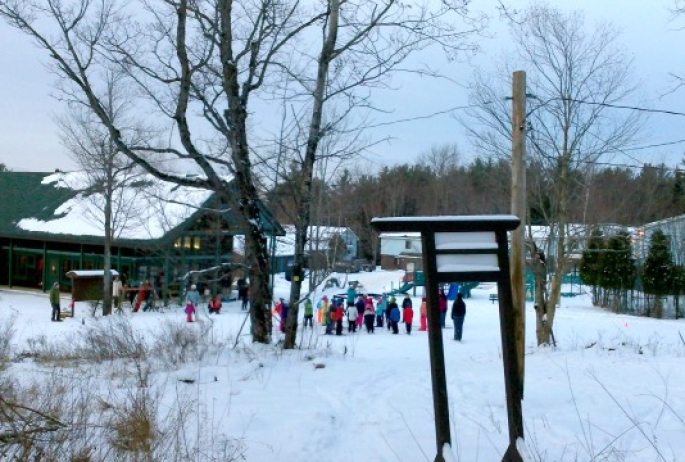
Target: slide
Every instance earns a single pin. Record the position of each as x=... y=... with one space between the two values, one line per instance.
x=407 y=286
x=454 y=290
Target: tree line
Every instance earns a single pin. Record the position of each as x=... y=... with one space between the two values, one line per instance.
x=612 y=194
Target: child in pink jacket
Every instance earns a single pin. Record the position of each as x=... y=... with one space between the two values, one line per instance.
x=190 y=311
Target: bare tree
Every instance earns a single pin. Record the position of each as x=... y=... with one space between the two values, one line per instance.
x=573 y=74
x=109 y=176
x=678 y=11
x=199 y=66
x=361 y=44
x=442 y=161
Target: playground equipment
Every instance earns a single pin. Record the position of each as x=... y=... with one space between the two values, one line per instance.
x=405 y=288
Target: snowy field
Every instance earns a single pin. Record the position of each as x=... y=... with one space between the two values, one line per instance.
x=613 y=389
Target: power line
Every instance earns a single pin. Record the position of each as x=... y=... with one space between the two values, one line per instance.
x=620 y=106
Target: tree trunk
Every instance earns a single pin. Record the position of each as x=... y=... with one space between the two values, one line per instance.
x=107 y=276
x=304 y=207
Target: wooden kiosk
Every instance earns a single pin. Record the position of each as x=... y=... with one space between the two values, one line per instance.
x=466 y=248
x=87 y=286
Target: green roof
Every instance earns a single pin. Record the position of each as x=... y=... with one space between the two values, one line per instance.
x=24 y=196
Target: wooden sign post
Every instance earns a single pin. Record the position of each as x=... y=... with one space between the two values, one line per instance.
x=466 y=248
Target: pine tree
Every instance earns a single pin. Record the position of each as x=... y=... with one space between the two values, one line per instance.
x=658 y=272
x=619 y=268
x=591 y=263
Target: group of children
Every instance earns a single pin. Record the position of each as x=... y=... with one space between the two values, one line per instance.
x=193 y=300
x=360 y=311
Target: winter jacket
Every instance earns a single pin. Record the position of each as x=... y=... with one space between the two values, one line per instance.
x=215 y=304
x=395 y=314
x=388 y=310
x=424 y=309
x=369 y=312
x=351 y=295
x=308 y=308
x=406 y=302
x=324 y=309
x=352 y=313
x=360 y=306
x=116 y=288
x=408 y=315
x=193 y=297
x=443 y=302
x=381 y=305
x=54 y=295
x=458 y=308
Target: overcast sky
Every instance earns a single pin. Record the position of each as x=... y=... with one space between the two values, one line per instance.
x=29 y=140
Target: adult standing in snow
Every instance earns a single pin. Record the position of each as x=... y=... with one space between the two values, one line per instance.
x=458 y=314
x=308 y=313
x=443 y=307
x=408 y=318
x=54 y=302
x=423 y=311
x=394 y=318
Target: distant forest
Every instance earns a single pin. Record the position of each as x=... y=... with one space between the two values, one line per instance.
x=620 y=195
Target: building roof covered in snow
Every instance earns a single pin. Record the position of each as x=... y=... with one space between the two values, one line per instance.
x=60 y=206
x=318 y=237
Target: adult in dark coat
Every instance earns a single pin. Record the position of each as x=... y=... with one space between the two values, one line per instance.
x=458 y=314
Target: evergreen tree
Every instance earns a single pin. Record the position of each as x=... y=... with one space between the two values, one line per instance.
x=591 y=263
x=678 y=287
x=618 y=268
x=658 y=271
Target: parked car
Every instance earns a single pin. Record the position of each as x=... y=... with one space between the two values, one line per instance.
x=363 y=264
x=345 y=267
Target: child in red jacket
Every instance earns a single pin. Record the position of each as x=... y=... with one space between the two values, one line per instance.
x=408 y=317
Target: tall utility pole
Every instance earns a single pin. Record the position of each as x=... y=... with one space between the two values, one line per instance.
x=518 y=208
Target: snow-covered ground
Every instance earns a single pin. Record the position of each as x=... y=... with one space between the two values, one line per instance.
x=613 y=389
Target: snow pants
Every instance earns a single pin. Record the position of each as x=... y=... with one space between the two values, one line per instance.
x=424 y=323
